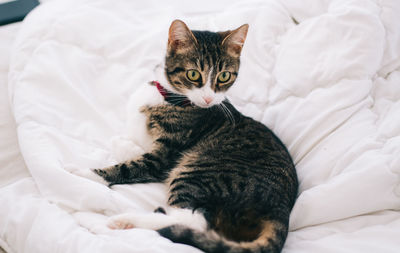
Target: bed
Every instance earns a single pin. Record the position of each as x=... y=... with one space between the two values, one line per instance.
x=323 y=75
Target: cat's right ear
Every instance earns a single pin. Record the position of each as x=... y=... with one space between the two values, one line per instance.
x=235 y=39
x=180 y=38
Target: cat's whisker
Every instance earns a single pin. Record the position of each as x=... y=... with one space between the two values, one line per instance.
x=176 y=96
x=229 y=113
x=220 y=108
x=225 y=112
x=177 y=100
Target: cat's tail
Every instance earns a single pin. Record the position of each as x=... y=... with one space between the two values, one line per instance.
x=270 y=240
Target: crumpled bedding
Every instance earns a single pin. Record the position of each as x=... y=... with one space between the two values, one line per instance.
x=324 y=76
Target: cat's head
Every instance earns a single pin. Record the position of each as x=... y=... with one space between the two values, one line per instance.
x=203 y=65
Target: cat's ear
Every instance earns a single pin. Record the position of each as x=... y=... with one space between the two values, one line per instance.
x=180 y=37
x=234 y=40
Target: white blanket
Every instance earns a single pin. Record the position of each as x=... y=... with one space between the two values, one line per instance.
x=328 y=86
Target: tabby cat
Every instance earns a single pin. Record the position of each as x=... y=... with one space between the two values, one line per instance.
x=232 y=183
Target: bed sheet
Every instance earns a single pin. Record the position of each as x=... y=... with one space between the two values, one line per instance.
x=311 y=72
x=12 y=166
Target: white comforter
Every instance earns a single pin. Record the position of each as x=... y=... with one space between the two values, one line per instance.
x=329 y=87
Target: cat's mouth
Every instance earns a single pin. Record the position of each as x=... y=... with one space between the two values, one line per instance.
x=204 y=99
x=203 y=104
x=199 y=100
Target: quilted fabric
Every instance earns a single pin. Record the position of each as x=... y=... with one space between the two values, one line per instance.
x=323 y=75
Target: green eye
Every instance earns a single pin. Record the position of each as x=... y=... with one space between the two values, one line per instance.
x=224 y=76
x=193 y=75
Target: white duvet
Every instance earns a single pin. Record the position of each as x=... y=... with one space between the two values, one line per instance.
x=328 y=86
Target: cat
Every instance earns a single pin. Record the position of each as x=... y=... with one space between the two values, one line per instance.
x=232 y=183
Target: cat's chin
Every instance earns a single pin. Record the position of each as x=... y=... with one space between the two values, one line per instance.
x=202 y=104
x=205 y=105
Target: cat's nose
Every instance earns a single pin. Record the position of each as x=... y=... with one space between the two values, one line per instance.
x=208 y=99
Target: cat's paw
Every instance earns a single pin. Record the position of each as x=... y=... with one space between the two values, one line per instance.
x=151 y=221
x=122 y=221
x=92 y=174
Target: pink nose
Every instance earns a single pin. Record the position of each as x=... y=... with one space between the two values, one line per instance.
x=208 y=99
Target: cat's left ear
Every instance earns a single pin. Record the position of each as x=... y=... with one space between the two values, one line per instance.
x=234 y=40
x=180 y=38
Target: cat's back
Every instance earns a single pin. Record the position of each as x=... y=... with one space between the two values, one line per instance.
x=241 y=136
x=241 y=162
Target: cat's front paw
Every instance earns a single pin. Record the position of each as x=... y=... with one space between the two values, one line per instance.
x=92 y=174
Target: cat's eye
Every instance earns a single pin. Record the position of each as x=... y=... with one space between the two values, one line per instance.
x=193 y=75
x=224 y=77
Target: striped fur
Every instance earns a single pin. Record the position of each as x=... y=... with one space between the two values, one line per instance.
x=215 y=160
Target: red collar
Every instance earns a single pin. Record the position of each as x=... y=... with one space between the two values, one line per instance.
x=172 y=98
